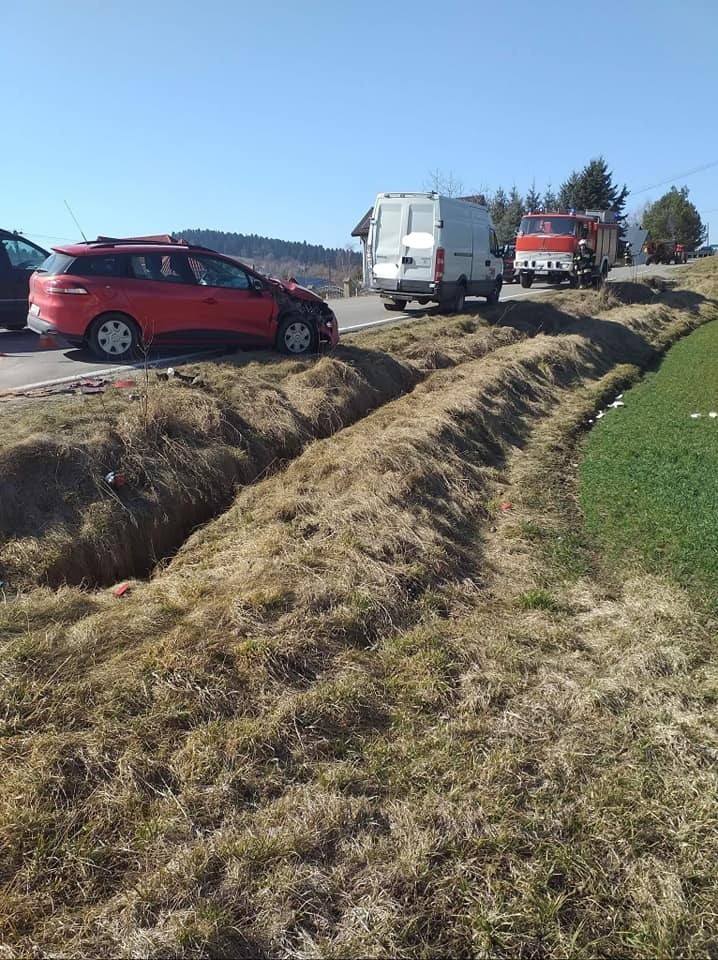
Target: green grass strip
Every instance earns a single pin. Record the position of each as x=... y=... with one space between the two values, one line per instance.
x=649 y=474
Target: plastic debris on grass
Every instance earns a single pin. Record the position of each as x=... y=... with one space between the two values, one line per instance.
x=614 y=405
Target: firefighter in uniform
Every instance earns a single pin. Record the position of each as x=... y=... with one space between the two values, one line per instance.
x=584 y=262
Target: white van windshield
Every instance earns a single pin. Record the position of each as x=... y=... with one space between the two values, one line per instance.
x=558 y=226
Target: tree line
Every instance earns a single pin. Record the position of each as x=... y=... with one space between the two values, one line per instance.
x=671 y=217
x=269 y=253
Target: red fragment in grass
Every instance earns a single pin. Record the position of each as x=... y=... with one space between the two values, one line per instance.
x=124 y=383
x=506 y=505
x=121 y=589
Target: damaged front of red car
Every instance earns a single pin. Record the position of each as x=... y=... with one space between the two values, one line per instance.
x=293 y=298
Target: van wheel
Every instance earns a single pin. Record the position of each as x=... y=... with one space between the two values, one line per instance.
x=526 y=279
x=459 y=298
x=395 y=305
x=114 y=336
x=493 y=297
x=297 y=336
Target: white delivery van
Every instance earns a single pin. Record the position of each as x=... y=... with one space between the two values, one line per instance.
x=425 y=247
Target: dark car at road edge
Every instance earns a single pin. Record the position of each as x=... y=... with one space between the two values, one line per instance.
x=18 y=258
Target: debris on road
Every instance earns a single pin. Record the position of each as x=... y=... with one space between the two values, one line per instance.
x=83 y=386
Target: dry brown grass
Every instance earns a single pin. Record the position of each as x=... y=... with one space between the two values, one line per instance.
x=365 y=713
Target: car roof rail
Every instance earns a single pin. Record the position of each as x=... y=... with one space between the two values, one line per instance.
x=147 y=242
x=166 y=240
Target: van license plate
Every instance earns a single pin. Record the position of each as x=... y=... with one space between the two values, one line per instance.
x=34 y=310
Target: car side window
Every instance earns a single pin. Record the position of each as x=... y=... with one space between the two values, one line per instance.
x=102 y=265
x=165 y=268
x=495 y=249
x=22 y=255
x=212 y=272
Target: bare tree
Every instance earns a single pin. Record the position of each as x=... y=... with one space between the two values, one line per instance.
x=444 y=183
x=344 y=261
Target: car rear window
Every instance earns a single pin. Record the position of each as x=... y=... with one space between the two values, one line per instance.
x=55 y=263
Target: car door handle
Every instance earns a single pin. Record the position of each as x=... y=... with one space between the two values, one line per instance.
x=210 y=300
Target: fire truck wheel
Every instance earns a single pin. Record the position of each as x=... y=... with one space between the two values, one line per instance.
x=526 y=279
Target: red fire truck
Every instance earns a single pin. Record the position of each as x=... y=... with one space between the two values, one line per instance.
x=547 y=246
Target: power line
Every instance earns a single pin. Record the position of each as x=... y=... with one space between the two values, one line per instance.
x=678 y=176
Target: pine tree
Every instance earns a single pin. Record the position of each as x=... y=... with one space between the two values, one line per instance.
x=497 y=205
x=533 y=199
x=593 y=189
x=674 y=217
x=508 y=226
x=550 y=200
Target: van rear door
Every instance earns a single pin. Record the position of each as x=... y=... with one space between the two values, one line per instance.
x=386 y=243
x=417 y=252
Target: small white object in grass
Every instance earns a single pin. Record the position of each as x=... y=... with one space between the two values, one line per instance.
x=170 y=371
x=713 y=414
x=695 y=416
x=619 y=397
x=599 y=414
x=616 y=404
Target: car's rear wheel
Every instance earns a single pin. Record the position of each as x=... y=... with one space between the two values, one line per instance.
x=395 y=305
x=526 y=279
x=297 y=336
x=114 y=336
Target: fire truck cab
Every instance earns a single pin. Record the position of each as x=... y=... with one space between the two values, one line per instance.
x=547 y=246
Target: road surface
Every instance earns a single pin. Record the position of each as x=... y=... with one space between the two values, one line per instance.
x=24 y=363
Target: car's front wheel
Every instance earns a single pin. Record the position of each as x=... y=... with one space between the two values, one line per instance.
x=114 y=336
x=297 y=336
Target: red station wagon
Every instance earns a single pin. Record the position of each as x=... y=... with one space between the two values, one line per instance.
x=117 y=296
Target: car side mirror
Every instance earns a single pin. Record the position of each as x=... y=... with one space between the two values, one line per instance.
x=257 y=284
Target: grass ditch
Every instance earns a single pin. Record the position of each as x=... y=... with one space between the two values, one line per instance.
x=332 y=727
x=185 y=452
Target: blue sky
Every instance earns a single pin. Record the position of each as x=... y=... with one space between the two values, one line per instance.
x=286 y=119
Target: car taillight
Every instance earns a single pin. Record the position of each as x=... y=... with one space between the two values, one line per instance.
x=439 y=268
x=63 y=285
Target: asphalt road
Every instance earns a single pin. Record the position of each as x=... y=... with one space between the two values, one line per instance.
x=23 y=363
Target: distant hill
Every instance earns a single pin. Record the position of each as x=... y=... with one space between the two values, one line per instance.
x=279 y=257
